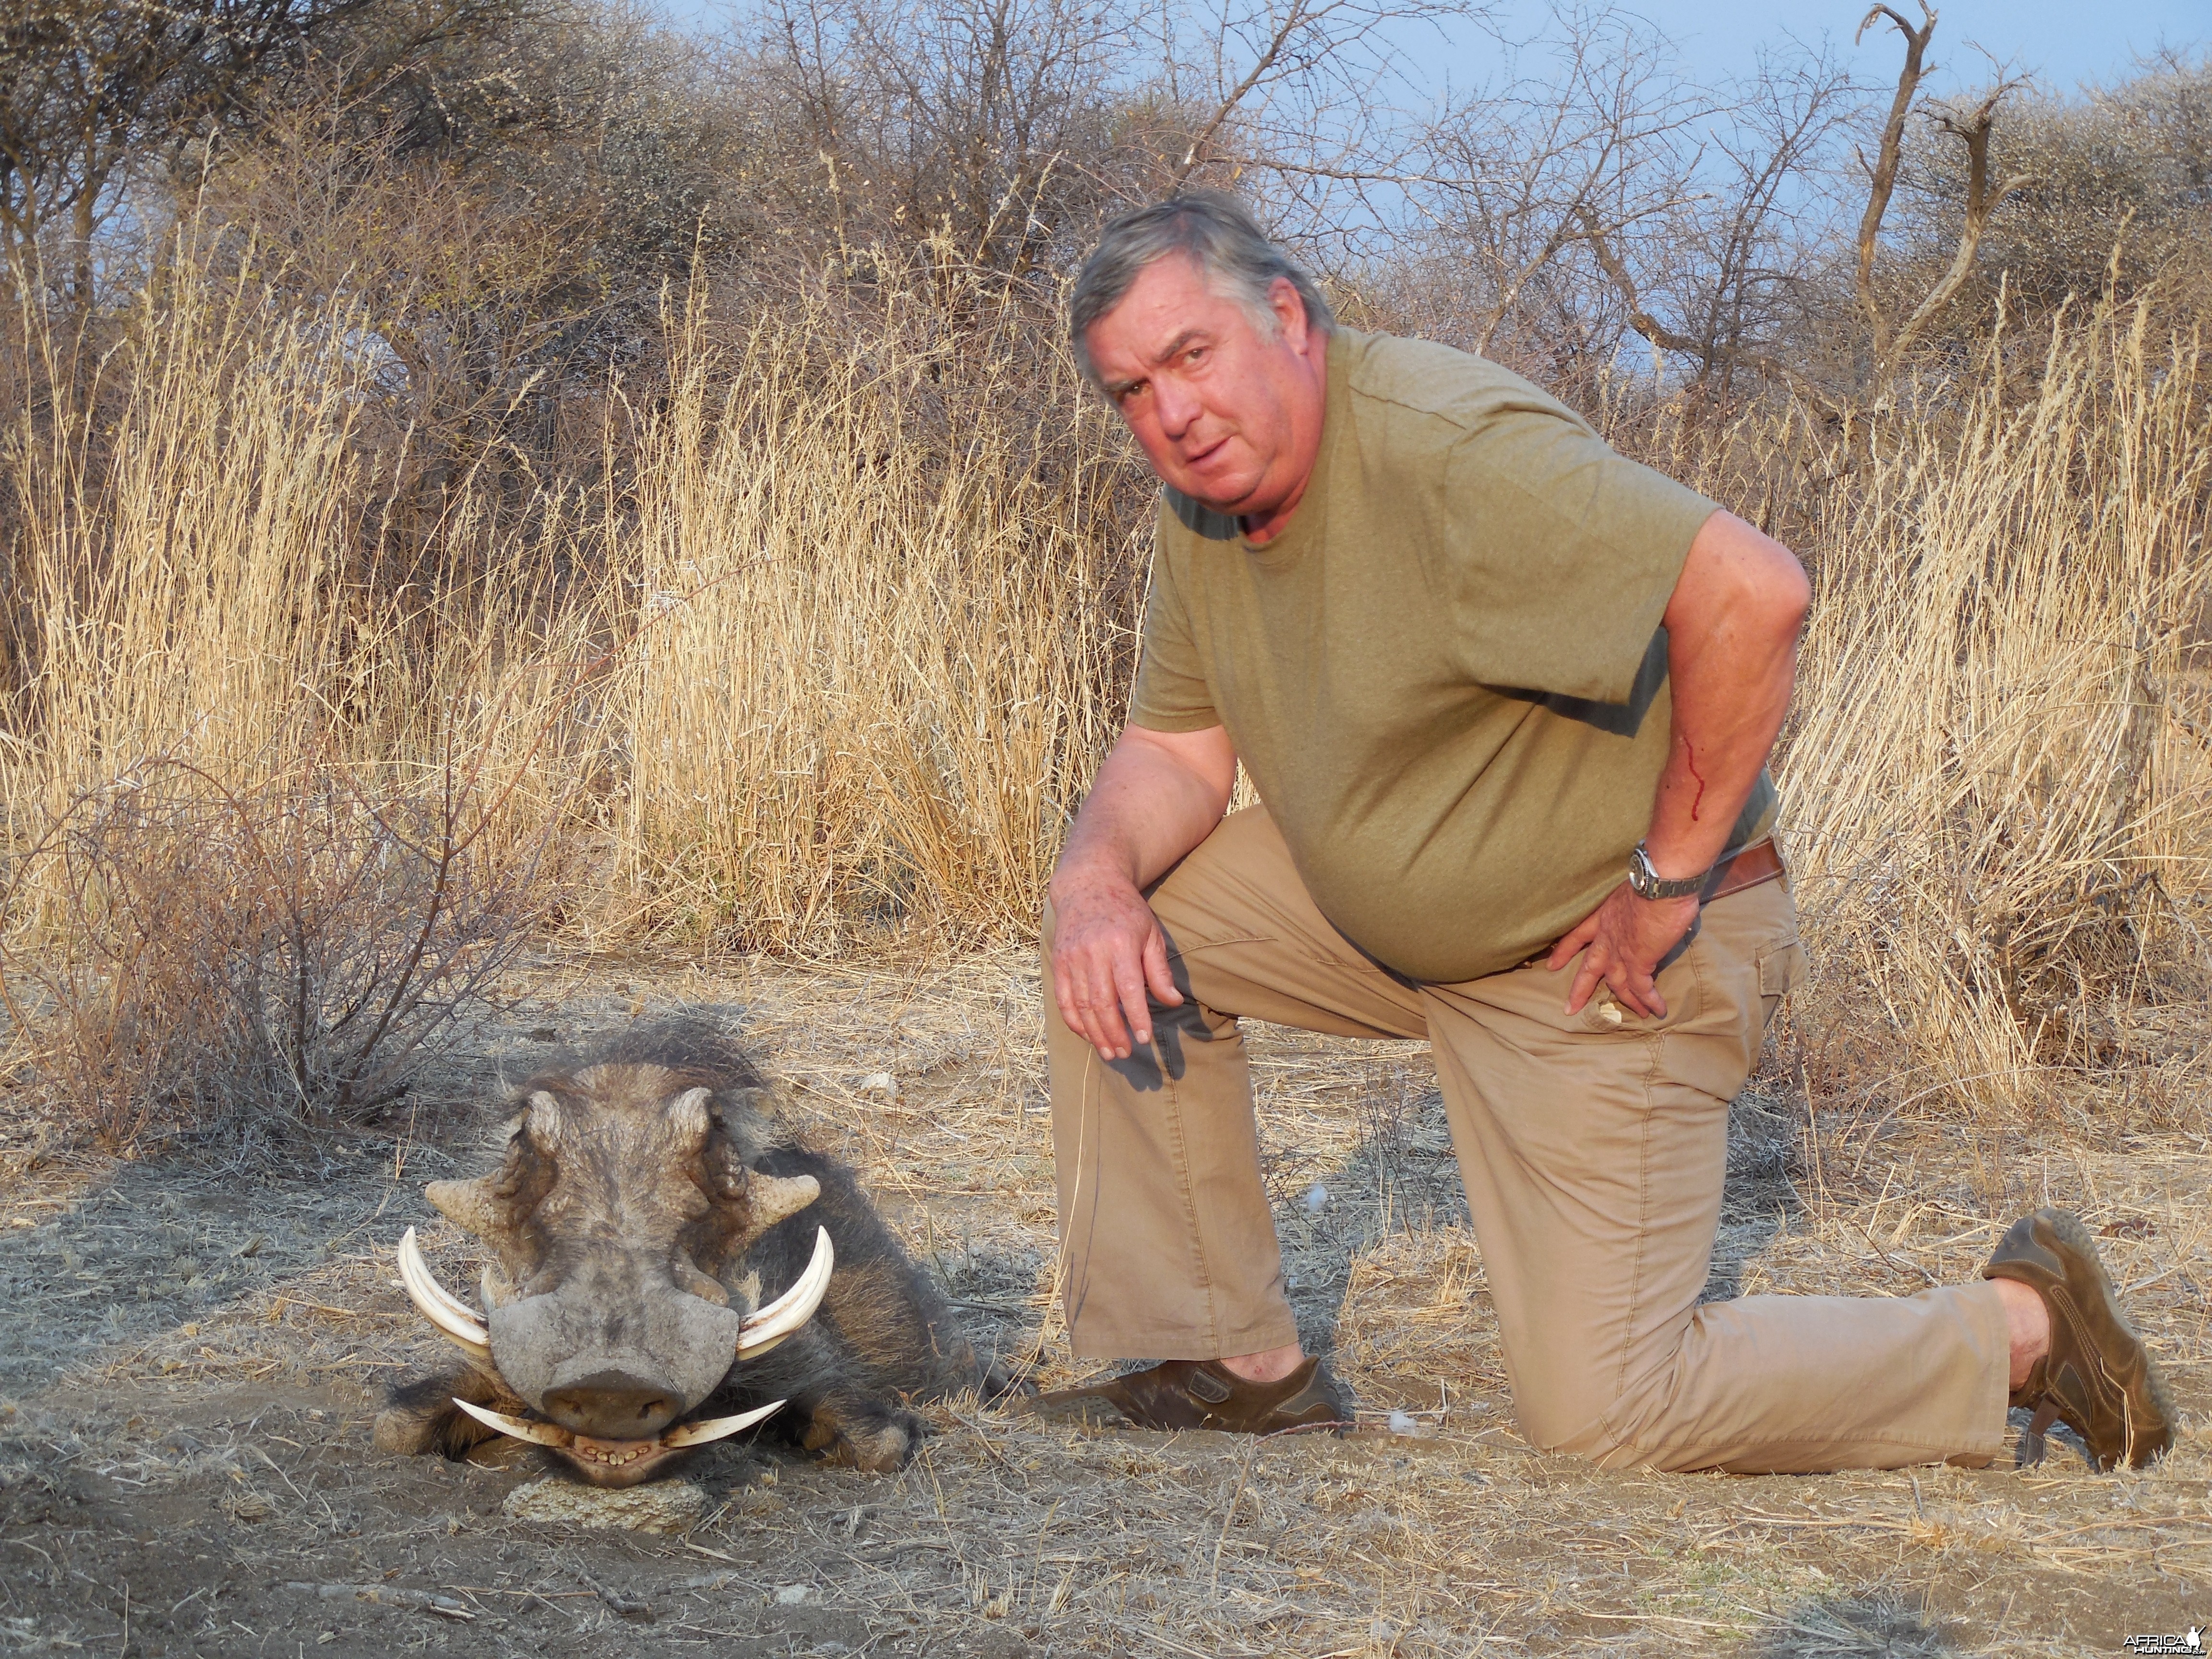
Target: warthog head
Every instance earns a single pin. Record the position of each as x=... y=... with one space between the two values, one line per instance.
x=616 y=1303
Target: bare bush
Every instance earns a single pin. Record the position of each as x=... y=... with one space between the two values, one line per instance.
x=291 y=954
x=1593 y=129
x=93 y=94
x=2119 y=197
x=992 y=124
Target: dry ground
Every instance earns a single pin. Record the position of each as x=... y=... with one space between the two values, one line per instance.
x=191 y=1356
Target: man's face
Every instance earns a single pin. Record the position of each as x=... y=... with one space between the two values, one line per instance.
x=1228 y=413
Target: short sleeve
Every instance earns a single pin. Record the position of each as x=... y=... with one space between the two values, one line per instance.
x=1564 y=554
x=1171 y=693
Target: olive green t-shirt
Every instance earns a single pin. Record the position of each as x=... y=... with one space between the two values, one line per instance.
x=1446 y=676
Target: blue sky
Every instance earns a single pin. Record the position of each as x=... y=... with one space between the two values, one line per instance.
x=2062 y=44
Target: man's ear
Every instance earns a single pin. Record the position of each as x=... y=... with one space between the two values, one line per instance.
x=1289 y=308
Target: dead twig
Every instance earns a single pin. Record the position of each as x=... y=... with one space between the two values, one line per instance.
x=626 y=1606
x=387 y=1596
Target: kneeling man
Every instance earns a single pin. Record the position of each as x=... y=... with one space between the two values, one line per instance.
x=1508 y=700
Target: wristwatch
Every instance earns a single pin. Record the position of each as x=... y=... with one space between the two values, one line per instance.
x=1646 y=883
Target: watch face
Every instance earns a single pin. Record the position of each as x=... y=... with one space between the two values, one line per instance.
x=1642 y=878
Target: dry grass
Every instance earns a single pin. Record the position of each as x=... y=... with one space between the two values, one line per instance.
x=1999 y=791
x=886 y=633
x=827 y=655
x=272 y=818
x=833 y=657
x=240 y=1396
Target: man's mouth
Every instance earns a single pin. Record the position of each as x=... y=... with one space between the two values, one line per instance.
x=1206 y=454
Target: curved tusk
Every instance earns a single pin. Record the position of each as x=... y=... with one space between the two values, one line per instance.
x=456 y=1320
x=410 y=1251
x=716 y=1428
x=791 y=1310
x=544 y=1434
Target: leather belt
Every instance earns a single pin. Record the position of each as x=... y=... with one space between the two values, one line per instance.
x=1758 y=863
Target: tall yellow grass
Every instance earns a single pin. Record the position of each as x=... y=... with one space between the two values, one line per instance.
x=860 y=620
x=179 y=603
x=1997 y=781
x=273 y=821
x=202 y=578
x=875 y=665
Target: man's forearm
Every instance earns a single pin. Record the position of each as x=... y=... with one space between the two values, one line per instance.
x=1711 y=766
x=1732 y=645
x=1152 y=802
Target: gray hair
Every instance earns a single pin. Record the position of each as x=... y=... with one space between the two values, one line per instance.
x=1217 y=232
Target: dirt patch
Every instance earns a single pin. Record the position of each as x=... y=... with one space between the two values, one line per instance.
x=193 y=1357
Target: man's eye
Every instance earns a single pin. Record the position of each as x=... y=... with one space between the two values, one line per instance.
x=1195 y=356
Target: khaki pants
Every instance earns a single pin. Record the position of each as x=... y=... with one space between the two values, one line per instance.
x=1593 y=1146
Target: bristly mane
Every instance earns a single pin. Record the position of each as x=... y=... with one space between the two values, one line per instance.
x=692 y=1049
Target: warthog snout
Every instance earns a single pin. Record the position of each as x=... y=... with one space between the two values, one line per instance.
x=612 y=1405
x=612 y=1354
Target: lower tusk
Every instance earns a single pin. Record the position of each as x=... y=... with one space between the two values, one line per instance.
x=716 y=1428
x=544 y=1434
x=455 y=1320
x=791 y=1310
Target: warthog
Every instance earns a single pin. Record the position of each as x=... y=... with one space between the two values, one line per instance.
x=666 y=1269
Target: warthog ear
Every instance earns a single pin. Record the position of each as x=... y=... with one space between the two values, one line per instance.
x=687 y=1117
x=541 y=1121
x=467 y=1204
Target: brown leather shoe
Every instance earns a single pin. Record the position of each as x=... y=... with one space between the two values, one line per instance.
x=1204 y=1394
x=2097 y=1378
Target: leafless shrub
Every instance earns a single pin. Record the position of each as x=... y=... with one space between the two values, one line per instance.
x=292 y=952
x=2118 y=200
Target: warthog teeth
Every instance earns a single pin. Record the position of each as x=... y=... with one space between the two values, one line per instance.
x=716 y=1428
x=791 y=1310
x=456 y=1320
x=544 y=1434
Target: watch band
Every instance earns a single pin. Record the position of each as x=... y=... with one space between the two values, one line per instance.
x=1647 y=882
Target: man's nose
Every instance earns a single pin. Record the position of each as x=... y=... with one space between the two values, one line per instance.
x=1176 y=410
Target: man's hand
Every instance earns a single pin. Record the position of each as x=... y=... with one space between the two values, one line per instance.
x=1107 y=952
x=1626 y=937
x=1157 y=794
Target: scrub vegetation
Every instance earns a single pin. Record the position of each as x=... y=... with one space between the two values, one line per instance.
x=498 y=494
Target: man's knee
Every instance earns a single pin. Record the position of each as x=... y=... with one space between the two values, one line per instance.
x=1571 y=1421
x=1583 y=1405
